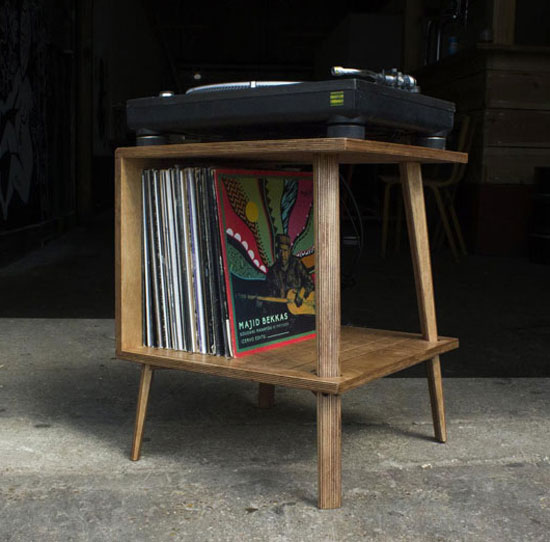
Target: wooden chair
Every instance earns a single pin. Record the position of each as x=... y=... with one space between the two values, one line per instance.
x=444 y=191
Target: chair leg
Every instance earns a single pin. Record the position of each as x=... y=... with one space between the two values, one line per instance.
x=141 y=411
x=385 y=218
x=437 y=238
x=329 y=450
x=445 y=220
x=458 y=229
x=398 y=222
x=266 y=395
x=435 y=385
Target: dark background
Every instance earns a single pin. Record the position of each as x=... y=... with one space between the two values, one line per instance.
x=67 y=69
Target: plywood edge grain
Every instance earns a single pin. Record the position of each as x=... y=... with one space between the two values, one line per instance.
x=296 y=151
x=231 y=368
x=404 y=153
x=118 y=274
x=378 y=354
x=356 y=374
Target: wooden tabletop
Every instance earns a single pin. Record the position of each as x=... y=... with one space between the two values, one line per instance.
x=349 y=151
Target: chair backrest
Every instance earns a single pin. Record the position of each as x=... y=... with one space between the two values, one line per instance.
x=464 y=144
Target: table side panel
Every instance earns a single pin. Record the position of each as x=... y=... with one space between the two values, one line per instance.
x=118 y=270
x=128 y=256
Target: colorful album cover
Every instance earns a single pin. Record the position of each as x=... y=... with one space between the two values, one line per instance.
x=267 y=233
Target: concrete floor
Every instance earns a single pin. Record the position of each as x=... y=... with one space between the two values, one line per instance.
x=215 y=467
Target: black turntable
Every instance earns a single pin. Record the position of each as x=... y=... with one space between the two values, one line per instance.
x=352 y=108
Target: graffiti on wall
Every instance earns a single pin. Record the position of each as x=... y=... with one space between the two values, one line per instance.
x=22 y=92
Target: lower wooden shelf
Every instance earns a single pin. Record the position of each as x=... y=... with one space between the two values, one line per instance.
x=365 y=355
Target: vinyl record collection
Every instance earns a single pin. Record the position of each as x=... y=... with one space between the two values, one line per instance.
x=228 y=259
x=184 y=298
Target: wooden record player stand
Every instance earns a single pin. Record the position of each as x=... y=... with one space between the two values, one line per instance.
x=342 y=358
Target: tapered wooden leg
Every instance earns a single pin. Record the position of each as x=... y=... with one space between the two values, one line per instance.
x=141 y=411
x=266 y=395
x=413 y=194
x=329 y=450
x=435 y=384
